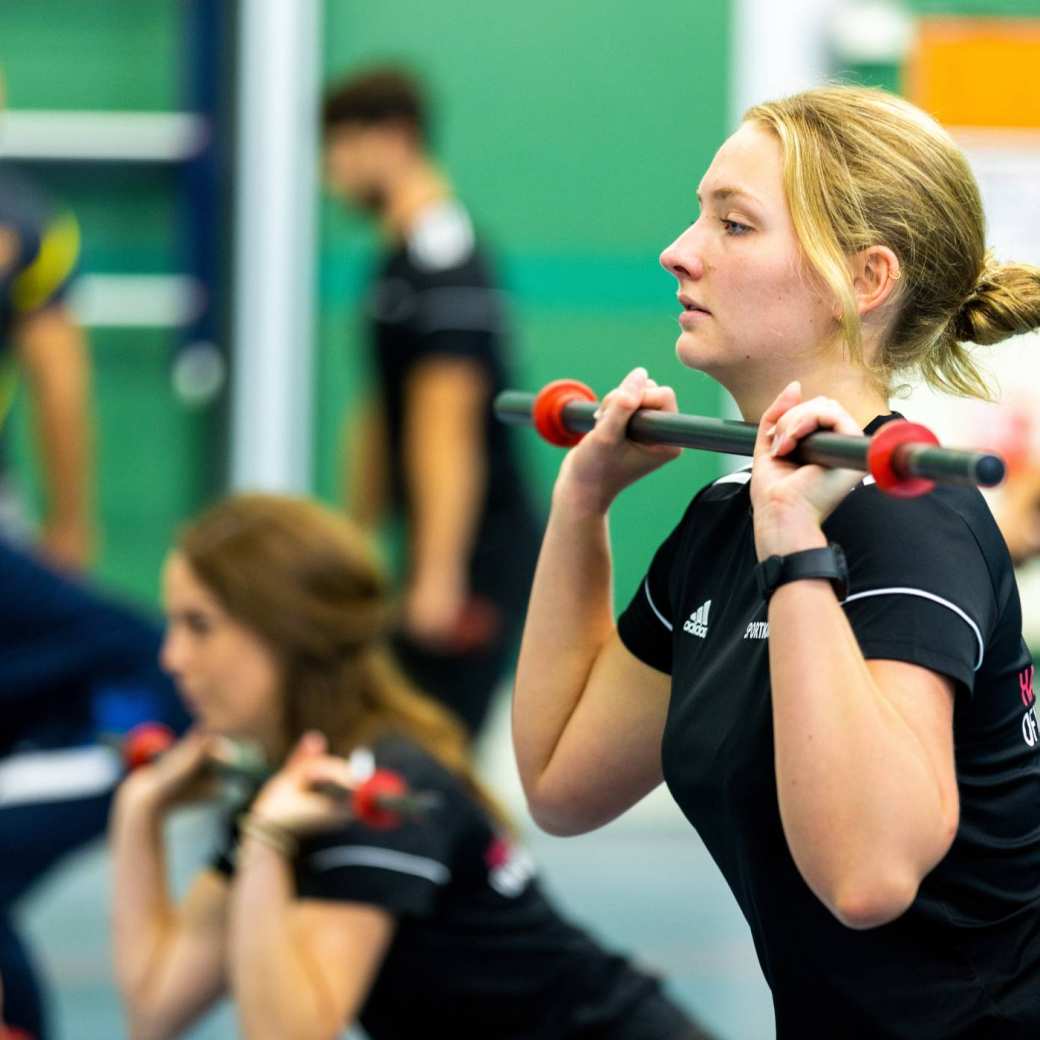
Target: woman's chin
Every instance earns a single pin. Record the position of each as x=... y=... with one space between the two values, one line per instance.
x=696 y=354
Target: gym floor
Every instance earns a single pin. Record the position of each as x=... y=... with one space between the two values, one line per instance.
x=644 y=885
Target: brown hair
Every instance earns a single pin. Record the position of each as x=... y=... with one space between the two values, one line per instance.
x=307 y=583
x=862 y=168
x=378 y=96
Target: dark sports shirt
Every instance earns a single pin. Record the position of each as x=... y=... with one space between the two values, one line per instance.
x=478 y=950
x=39 y=249
x=931 y=583
x=435 y=297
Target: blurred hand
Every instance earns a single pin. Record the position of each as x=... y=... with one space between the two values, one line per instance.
x=605 y=461
x=180 y=775
x=1018 y=513
x=790 y=502
x=289 y=799
x=432 y=607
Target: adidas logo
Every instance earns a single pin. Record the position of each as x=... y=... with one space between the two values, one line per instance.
x=697 y=623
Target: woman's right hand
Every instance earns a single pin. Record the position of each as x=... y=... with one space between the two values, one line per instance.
x=180 y=775
x=605 y=461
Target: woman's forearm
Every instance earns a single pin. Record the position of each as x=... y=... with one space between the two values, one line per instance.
x=569 y=618
x=277 y=992
x=864 y=811
x=142 y=912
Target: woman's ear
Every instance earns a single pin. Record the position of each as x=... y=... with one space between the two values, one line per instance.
x=875 y=277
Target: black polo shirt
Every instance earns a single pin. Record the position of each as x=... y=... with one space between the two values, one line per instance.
x=436 y=297
x=930 y=583
x=479 y=951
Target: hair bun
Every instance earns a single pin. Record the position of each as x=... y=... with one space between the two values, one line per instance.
x=1004 y=302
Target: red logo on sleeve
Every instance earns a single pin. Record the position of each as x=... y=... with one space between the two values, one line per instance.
x=1030 y=726
x=1025 y=686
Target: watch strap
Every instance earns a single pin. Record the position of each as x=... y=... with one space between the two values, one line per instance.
x=824 y=563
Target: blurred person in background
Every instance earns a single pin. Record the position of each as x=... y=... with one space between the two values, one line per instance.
x=427 y=448
x=73 y=662
x=41 y=340
x=74 y=665
x=1018 y=514
x=308 y=918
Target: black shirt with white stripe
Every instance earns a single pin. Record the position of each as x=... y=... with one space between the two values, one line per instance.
x=931 y=583
x=478 y=950
x=435 y=298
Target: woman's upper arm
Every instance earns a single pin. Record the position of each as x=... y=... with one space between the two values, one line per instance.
x=191 y=974
x=924 y=700
x=609 y=755
x=346 y=944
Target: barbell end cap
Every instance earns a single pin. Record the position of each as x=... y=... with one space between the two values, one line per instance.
x=547 y=410
x=990 y=470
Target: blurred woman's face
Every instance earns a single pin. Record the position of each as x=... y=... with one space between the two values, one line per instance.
x=751 y=308
x=228 y=677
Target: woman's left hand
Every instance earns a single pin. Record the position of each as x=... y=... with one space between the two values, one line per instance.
x=791 y=501
x=289 y=799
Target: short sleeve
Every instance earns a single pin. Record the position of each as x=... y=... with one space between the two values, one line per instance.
x=920 y=589
x=402 y=869
x=45 y=280
x=458 y=314
x=645 y=626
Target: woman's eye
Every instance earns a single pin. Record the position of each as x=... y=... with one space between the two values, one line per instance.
x=197 y=624
x=734 y=227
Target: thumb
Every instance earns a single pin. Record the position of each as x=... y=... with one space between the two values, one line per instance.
x=785 y=400
x=310 y=745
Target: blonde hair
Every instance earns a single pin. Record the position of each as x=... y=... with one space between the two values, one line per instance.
x=862 y=168
x=307 y=583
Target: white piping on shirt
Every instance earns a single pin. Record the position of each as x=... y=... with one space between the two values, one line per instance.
x=386 y=859
x=740 y=476
x=650 y=599
x=925 y=595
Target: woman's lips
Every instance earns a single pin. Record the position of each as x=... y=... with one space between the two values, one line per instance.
x=692 y=317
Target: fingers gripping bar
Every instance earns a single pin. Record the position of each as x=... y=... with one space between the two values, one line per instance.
x=381 y=801
x=904 y=458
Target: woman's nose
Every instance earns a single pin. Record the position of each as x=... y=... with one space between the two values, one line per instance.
x=682 y=258
x=170 y=653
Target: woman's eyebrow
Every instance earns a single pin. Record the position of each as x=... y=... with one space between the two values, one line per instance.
x=722 y=194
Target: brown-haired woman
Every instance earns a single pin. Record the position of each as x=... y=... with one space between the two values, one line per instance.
x=855 y=741
x=277 y=614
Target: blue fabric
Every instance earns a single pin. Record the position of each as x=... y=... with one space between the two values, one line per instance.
x=74 y=665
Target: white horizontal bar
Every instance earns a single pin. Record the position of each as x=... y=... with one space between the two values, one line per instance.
x=49 y=776
x=122 y=136
x=137 y=300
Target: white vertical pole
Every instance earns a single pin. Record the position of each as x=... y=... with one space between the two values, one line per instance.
x=777 y=49
x=272 y=366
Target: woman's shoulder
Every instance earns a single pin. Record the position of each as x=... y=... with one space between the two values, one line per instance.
x=423 y=772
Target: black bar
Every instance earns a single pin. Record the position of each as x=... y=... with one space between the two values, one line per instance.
x=946 y=465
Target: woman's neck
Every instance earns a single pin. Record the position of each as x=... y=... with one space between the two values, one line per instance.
x=415 y=189
x=851 y=385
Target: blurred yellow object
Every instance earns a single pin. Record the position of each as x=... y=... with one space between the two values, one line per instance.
x=977 y=72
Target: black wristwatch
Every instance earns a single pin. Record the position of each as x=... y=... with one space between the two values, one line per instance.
x=828 y=563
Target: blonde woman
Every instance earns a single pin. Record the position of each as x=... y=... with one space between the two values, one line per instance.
x=309 y=921
x=831 y=681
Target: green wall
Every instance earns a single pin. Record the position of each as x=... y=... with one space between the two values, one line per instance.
x=576 y=134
